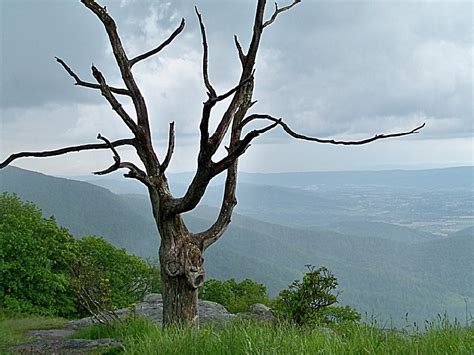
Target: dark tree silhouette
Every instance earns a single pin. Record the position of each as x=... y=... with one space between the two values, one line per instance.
x=180 y=253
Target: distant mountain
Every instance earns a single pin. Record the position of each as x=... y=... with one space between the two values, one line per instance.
x=428 y=199
x=452 y=178
x=456 y=177
x=459 y=177
x=387 y=276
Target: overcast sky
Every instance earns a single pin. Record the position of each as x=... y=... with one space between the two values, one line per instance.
x=329 y=68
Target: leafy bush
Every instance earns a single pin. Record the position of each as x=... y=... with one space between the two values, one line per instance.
x=105 y=277
x=311 y=300
x=35 y=255
x=44 y=270
x=236 y=297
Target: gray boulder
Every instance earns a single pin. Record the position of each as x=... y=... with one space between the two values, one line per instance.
x=152 y=308
x=261 y=312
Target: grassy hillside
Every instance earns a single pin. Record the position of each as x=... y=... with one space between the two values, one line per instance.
x=379 y=269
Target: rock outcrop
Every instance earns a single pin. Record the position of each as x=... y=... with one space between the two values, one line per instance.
x=152 y=308
x=261 y=312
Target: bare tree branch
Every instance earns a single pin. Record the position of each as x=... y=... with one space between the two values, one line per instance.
x=86 y=84
x=206 y=169
x=62 y=151
x=229 y=201
x=207 y=148
x=240 y=147
x=170 y=151
x=112 y=148
x=123 y=64
x=211 y=92
x=116 y=106
x=293 y=134
x=134 y=171
x=240 y=100
x=279 y=11
x=242 y=56
x=234 y=89
x=161 y=46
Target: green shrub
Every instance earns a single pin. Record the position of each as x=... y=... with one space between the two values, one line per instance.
x=44 y=270
x=311 y=301
x=35 y=255
x=105 y=277
x=233 y=295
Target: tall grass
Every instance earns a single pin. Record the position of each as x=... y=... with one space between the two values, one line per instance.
x=246 y=337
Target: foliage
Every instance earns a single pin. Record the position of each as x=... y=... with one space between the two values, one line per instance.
x=141 y=336
x=35 y=255
x=311 y=300
x=105 y=277
x=44 y=270
x=235 y=296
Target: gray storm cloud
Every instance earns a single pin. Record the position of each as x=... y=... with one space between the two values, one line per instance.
x=345 y=69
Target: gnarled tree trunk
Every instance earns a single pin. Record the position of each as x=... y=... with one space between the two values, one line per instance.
x=182 y=272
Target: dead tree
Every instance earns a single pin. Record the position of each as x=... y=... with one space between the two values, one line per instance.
x=181 y=252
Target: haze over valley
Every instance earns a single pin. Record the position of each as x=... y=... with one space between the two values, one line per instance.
x=398 y=241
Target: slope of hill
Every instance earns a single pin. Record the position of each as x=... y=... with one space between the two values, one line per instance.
x=435 y=201
x=384 y=276
x=83 y=208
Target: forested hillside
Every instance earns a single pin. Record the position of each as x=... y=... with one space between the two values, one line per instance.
x=384 y=269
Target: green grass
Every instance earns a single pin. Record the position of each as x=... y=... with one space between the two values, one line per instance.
x=244 y=337
x=13 y=327
x=247 y=337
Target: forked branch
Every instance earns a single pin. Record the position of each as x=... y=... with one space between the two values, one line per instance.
x=116 y=164
x=234 y=89
x=289 y=131
x=123 y=64
x=86 y=84
x=240 y=147
x=134 y=171
x=279 y=11
x=62 y=151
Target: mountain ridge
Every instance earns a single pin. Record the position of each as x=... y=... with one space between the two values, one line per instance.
x=375 y=274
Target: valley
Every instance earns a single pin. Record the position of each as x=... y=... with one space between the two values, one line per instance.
x=394 y=250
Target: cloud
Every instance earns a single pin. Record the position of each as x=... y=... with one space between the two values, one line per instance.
x=342 y=69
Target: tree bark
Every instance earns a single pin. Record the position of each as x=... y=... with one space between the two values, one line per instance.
x=182 y=272
x=180 y=304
